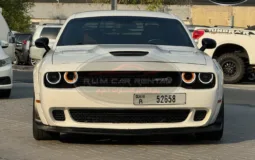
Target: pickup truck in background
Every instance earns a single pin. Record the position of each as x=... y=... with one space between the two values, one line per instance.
x=235 y=50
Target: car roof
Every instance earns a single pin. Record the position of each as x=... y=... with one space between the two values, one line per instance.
x=50 y=25
x=124 y=13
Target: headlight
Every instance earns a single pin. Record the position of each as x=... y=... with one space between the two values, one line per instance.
x=191 y=80
x=53 y=77
x=188 y=77
x=205 y=78
x=71 y=77
x=4 y=62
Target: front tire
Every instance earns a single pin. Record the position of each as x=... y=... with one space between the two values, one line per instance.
x=214 y=135
x=5 y=93
x=233 y=67
x=39 y=134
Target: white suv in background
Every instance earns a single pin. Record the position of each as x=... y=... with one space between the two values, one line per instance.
x=46 y=30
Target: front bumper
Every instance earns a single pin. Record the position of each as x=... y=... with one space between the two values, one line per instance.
x=54 y=99
x=5 y=74
x=134 y=132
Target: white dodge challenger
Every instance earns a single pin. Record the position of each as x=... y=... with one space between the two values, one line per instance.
x=127 y=73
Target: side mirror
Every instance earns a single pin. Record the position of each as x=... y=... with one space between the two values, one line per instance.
x=42 y=43
x=4 y=44
x=208 y=43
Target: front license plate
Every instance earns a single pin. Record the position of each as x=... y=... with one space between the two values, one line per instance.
x=160 y=99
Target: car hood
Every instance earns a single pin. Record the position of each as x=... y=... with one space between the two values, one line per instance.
x=128 y=53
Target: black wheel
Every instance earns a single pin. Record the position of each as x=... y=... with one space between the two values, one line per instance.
x=5 y=93
x=16 y=61
x=41 y=134
x=215 y=135
x=233 y=67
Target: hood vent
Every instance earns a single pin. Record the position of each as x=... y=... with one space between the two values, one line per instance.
x=129 y=53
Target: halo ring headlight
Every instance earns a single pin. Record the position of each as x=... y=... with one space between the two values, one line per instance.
x=188 y=77
x=71 y=77
x=53 y=79
x=209 y=79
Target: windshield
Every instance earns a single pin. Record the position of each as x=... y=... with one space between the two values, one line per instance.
x=22 y=37
x=125 y=30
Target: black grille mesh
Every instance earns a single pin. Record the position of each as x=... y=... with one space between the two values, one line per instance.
x=128 y=116
x=129 y=79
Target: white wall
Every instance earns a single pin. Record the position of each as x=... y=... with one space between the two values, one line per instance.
x=51 y=12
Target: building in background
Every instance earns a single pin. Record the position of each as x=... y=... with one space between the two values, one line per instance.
x=205 y=13
x=199 y=12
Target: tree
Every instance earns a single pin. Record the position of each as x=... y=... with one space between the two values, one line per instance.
x=16 y=14
x=153 y=5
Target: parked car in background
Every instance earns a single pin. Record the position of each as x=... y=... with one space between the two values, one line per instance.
x=6 y=73
x=7 y=38
x=46 y=30
x=23 y=44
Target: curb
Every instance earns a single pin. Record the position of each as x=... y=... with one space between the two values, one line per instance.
x=22 y=68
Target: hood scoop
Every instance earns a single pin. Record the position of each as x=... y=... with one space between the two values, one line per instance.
x=129 y=53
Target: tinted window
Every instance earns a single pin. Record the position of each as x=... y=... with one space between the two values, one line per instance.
x=50 y=33
x=125 y=30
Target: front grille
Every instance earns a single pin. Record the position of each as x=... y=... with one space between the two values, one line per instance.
x=5 y=80
x=200 y=115
x=129 y=116
x=58 y=115
x=129 y=79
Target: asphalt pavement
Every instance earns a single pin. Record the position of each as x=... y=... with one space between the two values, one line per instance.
x=23 y=76
x=16 y=141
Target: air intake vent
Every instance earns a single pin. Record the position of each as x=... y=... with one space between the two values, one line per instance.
x=5 y=80
x=129 y=53
x=200 y=115
x=58 y=115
